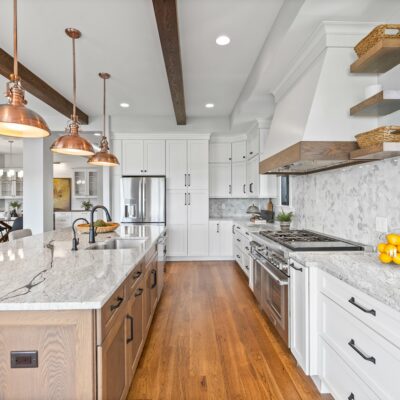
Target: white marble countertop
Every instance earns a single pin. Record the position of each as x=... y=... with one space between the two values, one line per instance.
x=42 y=273
x=361 y=270
x=250 y=226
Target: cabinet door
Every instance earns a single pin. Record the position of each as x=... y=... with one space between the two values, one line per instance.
x=252 y=144
x=239 y=151
x=214 y=238
x=80 y=183
x=299 y=306
x=198 y=223
x=268 y=186
x=198 y=164
x=253 y=178
x=132 y=157
x=177 y=222
x=176 y=168
x=154 y=157
x=113 y=361
x=225 y=242
x=134 y=328
x=220 y=180
x=220 y=152
x=147 y=306
x=239 y=186
x=63 y=220
x=91 y=179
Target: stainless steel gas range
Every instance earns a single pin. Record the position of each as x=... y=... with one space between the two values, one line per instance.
x=271 y=267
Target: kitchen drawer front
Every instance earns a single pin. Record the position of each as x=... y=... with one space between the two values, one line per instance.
x=376 y=315
x=373 y=358
x=341 y=380
x=109 y=312
x=237 y=254
x=149 y=255
x=133 y=279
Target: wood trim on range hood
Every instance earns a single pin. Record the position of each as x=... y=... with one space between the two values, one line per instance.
x=308 y=157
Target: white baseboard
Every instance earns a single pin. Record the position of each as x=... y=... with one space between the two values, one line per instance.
x=197 y=258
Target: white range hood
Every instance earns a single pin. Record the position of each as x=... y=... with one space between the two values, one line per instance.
x=312 y=128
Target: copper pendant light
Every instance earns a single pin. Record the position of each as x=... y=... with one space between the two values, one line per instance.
x=104 y=157
x=71 y=143
x=15 y=118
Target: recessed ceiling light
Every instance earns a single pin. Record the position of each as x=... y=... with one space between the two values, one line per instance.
x=209 y=105
x=124 y=105
x=223 y=40
x=97 y=134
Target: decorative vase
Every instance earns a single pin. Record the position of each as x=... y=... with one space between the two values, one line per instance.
x=285 y=225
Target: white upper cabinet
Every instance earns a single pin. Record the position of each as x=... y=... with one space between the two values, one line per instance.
x=85 y=183
x=239 y=151
x=239 y=184
x=176 y=164
x=154 y=157
x=220 y=152
x=197 y=168
x=264 y=186
x=220 y=180
x=253 y=144
x=132 y=157
x=143 y=157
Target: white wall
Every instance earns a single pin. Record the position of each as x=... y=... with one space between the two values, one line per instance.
x=66 y=170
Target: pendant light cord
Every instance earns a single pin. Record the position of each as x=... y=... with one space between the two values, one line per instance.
x=74 y=79
x=15 y=42
x=104 y=108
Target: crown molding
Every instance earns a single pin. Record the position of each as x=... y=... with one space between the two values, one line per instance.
x=163 y=136
x=329 y=34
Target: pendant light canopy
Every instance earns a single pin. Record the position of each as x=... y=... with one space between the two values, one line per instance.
x=71 y=143
x=104 y=157
x=15 y=118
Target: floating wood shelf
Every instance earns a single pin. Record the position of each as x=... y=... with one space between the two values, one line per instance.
x=383 y=103
x=381 y=58
x=377 y=152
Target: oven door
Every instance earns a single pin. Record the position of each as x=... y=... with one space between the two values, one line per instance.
x=274 y=298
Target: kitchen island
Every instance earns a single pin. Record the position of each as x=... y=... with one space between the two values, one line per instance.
x=73 y=324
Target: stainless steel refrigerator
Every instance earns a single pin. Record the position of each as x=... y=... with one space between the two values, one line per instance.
x=143 y=199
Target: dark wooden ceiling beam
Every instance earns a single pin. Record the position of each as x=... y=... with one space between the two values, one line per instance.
x=39 y=88
x=167 y=23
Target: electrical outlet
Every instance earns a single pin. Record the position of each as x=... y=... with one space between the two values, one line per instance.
x=381 y=224
x=223 y=206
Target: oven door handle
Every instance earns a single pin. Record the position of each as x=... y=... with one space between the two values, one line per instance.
x=281 y=283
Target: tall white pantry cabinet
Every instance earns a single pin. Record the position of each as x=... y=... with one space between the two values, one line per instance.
x=187 y=197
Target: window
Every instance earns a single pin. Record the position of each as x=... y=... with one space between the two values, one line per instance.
x=285 y=190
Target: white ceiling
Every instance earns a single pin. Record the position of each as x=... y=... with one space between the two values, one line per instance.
x=121 y=37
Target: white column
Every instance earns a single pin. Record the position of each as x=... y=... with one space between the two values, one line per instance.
x=38 y=184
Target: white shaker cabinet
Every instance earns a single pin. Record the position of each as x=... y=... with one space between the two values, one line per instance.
x=220 y=152
x=220 y=180
x=143 y=157
x=239 y=151
x=260 y=185
x=197 y=164
x=299 y=314
x=197 y=209
x=176 y=168
x=177 y=221
x=252 y=145
x=239 y=184
x=220 y=238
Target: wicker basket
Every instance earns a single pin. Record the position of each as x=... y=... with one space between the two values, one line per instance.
x=378 y=33
x=111 y=226
x=379 y=135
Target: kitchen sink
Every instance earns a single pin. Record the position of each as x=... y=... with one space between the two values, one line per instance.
x=118 y=244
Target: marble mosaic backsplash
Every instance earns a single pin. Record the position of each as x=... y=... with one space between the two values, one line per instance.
x=226 y=208
x=345 y=202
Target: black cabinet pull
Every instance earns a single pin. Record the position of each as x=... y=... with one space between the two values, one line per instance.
x=238 y=240
x=117 y=304
x=154 y=272
x=296 y=268
x=251 y=153
x=136 y=274
x=244 y=188
x=247 y=248
x=351 y=397
x=352 y=301
x=251 y=187
x=138 y=292
x=352 y=344
x=130 y=338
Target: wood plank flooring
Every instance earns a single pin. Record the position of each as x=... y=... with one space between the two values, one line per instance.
x=210 y=341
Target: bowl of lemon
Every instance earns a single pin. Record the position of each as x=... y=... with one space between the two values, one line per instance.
x=390 y=251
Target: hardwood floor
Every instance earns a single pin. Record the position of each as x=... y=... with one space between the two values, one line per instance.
x=210 y=341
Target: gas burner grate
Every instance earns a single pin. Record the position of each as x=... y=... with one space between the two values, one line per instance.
x=296 y=236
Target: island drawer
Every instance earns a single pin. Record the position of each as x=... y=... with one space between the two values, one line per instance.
x=134 y=278
x=111 y=309
x=378 y=316
x=369 y=354
x=150 y=254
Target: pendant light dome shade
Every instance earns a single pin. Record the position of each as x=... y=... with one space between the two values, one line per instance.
x=103 y=157
x=15 y=118
x=72 y=143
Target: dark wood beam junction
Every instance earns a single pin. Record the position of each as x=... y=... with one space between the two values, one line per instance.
x=167 y=23
x=39 y=88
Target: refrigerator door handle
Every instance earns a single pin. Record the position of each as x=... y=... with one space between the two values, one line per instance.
x=185 y=180
x=144 y=198
x=185 y=199
x=188 y=179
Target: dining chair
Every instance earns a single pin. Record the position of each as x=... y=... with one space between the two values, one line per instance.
x=19 y=234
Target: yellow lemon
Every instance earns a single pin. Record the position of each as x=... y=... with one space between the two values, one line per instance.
x=396 y=259
x=390 y=250
x=392 y=238
x=386 y=259
x=381 y=247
